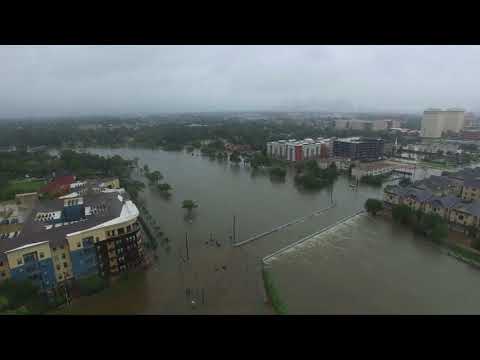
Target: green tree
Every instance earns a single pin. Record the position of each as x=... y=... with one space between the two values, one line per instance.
x=189 y=205
x=373 y=206
x=3 y=303
x=278 y=172
x=165 y=187
x=439 y=232
x=235 y=157
x=154 y=177
x=402 y=213
x=372 y=180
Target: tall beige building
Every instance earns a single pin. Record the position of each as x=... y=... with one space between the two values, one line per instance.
x=432 y=123
x=437 y=121
x=454 y=120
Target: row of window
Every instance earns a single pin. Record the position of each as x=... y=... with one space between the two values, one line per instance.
x=63 y=257
x=119 y=231
x=73 y=202
x=65 y=265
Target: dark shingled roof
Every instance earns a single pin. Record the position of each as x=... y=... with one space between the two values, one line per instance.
x=467 y=173
x=445 y=201
x=472 y=182
x=409 y=191
x=435 y=183
x=34 y=231
x=472 y=208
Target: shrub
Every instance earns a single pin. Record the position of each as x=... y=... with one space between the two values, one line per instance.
x=278 y=172
x=373 y=206
x=402 y=213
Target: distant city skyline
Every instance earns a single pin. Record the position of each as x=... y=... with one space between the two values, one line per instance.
x=50 y=81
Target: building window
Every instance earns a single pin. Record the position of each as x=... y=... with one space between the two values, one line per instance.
x=1 y=263
x=108 y=233
x=58 y=267
x=19 y=261
x=3 y=274
x=54 y=249
x=65 y=265
x=129 y=228
x=42 y=255
x=97 y=239
x=121 y=231
x=460 y=217
x=78 y=244
x=64 y=256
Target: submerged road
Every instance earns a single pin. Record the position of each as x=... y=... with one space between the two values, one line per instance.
x=284 y=226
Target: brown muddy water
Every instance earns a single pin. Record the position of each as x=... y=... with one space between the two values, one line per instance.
x=227 y=280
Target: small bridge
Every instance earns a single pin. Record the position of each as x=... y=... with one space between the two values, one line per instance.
x=284 y=226
x=278 y=252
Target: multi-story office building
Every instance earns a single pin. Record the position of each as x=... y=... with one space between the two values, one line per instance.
x=73 y=237
x=357 y=148
x=293 y=150
x=437 y=121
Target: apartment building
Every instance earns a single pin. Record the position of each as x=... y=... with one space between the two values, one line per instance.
x=293 y=150
x=73 y=237
x=466 y=214
x=471 y=189
x=453 y=209
x=415 y=198
x=440 y=185
x=441 y=205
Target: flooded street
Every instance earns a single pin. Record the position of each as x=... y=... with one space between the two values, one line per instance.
x=221 y=278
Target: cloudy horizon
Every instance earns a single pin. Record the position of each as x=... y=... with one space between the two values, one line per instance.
x=41 y=81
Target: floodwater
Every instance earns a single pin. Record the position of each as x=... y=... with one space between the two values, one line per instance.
x=218 y=277
x=368 y=265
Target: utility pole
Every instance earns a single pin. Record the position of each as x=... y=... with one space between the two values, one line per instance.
x=233 y=236
x=186 y=245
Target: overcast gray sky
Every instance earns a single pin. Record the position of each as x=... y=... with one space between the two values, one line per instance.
x=83 y=80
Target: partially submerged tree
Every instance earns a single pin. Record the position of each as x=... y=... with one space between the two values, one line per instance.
x=189 y=205
x=373 y=206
